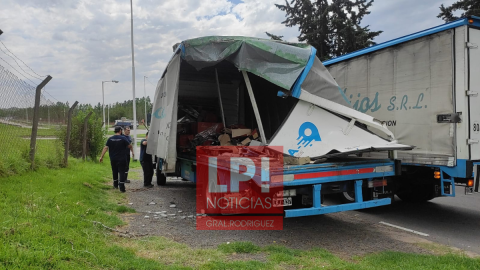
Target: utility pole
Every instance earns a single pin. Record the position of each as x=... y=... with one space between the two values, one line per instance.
x=103 y=100
x=108 y=117
x=133 y=84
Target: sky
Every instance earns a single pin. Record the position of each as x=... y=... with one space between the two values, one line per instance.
x=81 y=43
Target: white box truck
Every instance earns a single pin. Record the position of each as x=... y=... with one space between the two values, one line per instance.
x=232 y=96
x=425 y=88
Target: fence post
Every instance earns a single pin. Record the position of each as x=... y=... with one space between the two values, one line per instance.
x=84 y=137
x=69 y=130
x=36 y=116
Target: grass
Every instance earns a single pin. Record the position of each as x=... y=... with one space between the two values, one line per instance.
x=15 y=156
x=48 y=222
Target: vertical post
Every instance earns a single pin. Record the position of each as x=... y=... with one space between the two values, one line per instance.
x=255 y=107
x=133 y=84
x=317 y=196
x=108 y=116
x=48 y=111
x=145 y=98
x=69 y=130
x=358 y=191
x=84 y=136
x=220 y=99
x=36 y=116
x=103 y=105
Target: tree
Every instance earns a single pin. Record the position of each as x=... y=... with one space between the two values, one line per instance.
x=469 y=8
x=332 y=28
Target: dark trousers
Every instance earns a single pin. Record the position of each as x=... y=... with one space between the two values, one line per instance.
x=147 y=167
x=127 y=166
x=118 y=170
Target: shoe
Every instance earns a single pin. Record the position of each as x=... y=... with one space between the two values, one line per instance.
x=148 y=186
x=122 y=187
x=127 y=181
x=115 y=184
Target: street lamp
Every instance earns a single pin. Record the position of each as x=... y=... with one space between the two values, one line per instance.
x=103 y=99
x=133 y=83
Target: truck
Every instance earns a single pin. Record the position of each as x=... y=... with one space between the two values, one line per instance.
x=124 y=122
x=218 y=93
x=425 y=88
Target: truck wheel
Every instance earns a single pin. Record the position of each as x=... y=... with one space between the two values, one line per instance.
x=161 y=178
x=417 y=195
x=347 y=196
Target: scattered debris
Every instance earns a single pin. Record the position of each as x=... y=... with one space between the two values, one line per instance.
x=147 y=217
x=152 y=203
x=173 y=206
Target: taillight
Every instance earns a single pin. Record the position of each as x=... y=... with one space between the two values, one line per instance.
x=470 y=183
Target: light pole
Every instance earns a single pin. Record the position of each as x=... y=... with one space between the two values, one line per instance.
x=133 y=84
x=108 y=113
x=103 y=99
x=145 y=99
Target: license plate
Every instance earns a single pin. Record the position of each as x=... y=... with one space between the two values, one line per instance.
x=287 y=201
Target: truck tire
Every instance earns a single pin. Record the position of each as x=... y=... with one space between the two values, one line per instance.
x=161 y=178
x=347 y=196
x=418 y=195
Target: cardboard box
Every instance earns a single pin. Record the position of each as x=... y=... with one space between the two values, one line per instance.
x=224 y=139
x=239 y=132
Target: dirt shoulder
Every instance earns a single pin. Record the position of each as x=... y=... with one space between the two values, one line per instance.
x=343 y=234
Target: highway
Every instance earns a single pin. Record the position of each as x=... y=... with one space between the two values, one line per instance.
x=450 y=221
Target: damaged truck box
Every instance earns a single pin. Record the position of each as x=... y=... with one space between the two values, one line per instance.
x=238 y=91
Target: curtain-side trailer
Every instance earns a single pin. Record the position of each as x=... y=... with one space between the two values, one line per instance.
x=425 y=88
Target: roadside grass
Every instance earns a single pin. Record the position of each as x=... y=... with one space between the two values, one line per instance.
x=16 y=131
x=15 y=150
x=51 y=219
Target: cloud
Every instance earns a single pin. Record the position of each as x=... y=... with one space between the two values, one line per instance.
x=82 y=42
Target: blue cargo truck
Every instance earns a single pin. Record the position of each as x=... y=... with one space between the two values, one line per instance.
x=239 y=91
x=425 y=88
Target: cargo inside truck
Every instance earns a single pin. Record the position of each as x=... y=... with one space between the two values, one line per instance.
x=203 y=104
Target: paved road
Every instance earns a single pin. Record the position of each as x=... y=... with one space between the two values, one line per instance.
x=451 y=221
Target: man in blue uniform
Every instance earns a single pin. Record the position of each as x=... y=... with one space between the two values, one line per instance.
x=127 y=152
x=147 y=163
x=116 y=146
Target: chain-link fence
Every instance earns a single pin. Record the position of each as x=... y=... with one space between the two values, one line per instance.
x=17 y=99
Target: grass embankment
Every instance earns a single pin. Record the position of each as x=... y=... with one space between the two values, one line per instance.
x=48 y=222
x=15 y=145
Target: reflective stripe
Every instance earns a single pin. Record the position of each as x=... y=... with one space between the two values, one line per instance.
x=333 y=173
